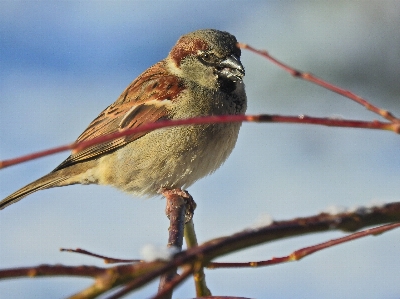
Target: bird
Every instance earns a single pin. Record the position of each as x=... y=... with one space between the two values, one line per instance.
x=201 y=76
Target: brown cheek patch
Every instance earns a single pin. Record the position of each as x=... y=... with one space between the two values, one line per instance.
x=186 y=46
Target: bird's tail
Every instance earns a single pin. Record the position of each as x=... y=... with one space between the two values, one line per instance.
x=53 y=179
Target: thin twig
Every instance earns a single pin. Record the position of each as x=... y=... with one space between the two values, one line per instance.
x=52 y=270
x=107 y=260
x=170 y=286
x=137 y=275
x=117 y=276
x=203 y=254
x=311 y=78
x=301 y=119
x=303 y=252
x=199 y=276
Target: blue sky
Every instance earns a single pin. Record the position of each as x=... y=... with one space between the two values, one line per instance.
x=63 y=62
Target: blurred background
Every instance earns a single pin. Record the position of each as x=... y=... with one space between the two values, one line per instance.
x=63 y=62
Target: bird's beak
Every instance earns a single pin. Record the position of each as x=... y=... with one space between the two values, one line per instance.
x=231 y=68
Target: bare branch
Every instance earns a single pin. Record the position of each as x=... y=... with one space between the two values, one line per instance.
x=311 y=78
x=169 y=287
x=107 y=260
x=177 y=200
x=199 y=276
x=52 y=270
x=301 y=119
x=299 y=254
x=133 y=276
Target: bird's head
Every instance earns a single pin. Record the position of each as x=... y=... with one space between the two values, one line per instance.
x=208 y=57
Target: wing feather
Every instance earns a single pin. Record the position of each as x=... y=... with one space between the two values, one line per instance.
x=145 y=100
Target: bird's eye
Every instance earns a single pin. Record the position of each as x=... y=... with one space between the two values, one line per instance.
x=207 y=57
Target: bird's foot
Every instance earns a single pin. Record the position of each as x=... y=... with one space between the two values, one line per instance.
x=177 y=197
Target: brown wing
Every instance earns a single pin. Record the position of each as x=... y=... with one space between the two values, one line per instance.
x=145 y=100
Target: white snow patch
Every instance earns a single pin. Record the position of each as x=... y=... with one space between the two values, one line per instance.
x=334 y=210
x=152 y=252
x=262 y=220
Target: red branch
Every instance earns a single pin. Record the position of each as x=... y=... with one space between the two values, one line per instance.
x=311 y=78
x=301 y=119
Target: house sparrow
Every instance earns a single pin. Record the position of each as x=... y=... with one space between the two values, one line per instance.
x=202 y=75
